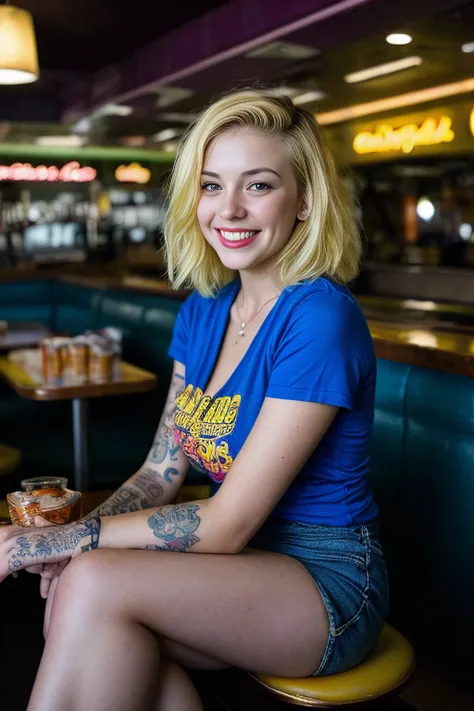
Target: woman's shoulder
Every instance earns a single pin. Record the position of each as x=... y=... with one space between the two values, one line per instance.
x=321 y=298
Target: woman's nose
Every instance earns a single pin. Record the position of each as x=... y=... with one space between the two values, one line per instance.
x=232 y=206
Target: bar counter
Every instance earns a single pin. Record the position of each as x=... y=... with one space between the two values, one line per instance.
x=414 y=332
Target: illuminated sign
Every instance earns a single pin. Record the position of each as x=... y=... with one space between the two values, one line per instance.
x=69 y=173
x=133 y=173
x=471 y=121
x=405 y=138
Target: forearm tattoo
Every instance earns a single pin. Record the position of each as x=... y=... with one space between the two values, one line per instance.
x=175 y=527
x=164 y=444
x=142 y=493
x=54 y=545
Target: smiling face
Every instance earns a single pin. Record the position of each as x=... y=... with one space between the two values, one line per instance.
x=249 y=199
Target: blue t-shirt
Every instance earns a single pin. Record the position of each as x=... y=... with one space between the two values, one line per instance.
x=313 y=346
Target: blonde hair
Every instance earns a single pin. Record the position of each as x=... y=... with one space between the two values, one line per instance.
x=327 y=243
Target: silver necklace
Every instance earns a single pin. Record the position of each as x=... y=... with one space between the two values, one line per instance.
x=244 y=324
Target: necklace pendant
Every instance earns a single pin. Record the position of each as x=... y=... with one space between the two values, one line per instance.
x=241 y=333
x=243 y=324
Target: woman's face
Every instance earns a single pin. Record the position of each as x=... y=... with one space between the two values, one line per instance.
x=249 y=198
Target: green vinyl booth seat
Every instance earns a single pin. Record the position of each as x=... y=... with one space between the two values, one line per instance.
x=422 y=466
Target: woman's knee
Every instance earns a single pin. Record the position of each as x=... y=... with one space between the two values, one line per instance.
x=85 y=581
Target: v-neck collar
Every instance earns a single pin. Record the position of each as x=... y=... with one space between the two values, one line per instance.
x=216 y=340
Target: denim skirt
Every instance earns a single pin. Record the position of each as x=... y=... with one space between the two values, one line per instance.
x=348 y=567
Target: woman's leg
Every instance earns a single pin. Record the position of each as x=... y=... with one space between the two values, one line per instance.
x=255 y=610
x=175 y=690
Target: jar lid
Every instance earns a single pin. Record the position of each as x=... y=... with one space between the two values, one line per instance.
x=44 y=482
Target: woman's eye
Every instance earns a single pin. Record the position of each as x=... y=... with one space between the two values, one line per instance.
x=260 y=187
x=210 y=187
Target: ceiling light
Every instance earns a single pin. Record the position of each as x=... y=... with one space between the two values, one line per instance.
x=169 y=95
x=468 y=47
x=412 y=98
x=381 y=69
x=425 y=209
x=399 y=38
x=282 y=50
x=18 y=54
x=84 y=125
x=114 y=110
x=72 y=141
x=308 y=97
x=465 y=231
x=167 y=134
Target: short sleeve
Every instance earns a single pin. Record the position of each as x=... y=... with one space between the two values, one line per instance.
x=179 y=342
x=324 y=353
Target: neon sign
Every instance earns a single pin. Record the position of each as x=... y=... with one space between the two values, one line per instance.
x=386 y=138
x=133 y=173
x=69 y=173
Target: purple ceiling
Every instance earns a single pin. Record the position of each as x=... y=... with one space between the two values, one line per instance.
x=211 y=47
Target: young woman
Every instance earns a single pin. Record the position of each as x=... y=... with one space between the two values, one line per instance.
x=272 y=394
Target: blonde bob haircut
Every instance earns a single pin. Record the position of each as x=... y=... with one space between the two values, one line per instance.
x=327 y=243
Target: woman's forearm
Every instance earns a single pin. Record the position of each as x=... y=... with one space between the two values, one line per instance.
x=159 y=479
x=193 y=526
x=143 y=490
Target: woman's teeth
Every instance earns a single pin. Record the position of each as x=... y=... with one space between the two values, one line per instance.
x=237 y=236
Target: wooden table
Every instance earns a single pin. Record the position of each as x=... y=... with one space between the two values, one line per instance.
x=23 y=335
x=22 y=371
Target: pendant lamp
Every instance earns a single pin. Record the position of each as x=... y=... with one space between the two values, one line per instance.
x=18 y=55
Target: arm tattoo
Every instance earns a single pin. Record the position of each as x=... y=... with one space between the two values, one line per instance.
x=169 y=472
x=174 y=526
x=143 y=492
x=51 y=546
x=164 y=444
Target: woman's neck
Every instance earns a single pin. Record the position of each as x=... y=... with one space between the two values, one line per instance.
x=256 y=289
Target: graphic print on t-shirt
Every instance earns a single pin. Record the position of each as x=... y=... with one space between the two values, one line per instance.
x=201 y=424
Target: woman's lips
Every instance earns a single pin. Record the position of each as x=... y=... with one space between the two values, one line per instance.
x=237 y=243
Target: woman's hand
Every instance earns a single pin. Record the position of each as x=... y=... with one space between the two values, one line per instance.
x=26 y=547
x=48 y=571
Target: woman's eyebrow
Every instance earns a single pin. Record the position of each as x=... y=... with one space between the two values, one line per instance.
x=253 y=171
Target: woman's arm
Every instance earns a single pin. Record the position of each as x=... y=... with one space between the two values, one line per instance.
x=284 y=436
x=160 y=477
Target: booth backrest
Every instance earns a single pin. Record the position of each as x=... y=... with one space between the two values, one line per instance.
x=422 y=474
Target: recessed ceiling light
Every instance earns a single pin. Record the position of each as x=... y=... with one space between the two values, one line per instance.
x=114 y=110
x=167 y=134
x=399 y=38
x=169 y=95
x=468 y=47
x=381 y=69
x=72 y=141
x=308 y=97
x=282 y=50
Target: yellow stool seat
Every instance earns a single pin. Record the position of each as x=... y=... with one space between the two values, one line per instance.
x=10 y=458
x=382 y=672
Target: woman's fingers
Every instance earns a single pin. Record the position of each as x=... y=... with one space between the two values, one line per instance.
x=49 y=576
x=41 y=522
x=38 y=569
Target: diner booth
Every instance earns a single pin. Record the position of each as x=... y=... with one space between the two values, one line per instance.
x=422 y=446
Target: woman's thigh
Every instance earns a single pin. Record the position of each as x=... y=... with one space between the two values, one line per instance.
x=256 y=610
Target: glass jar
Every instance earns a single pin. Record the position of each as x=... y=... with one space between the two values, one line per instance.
x=48 y=497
